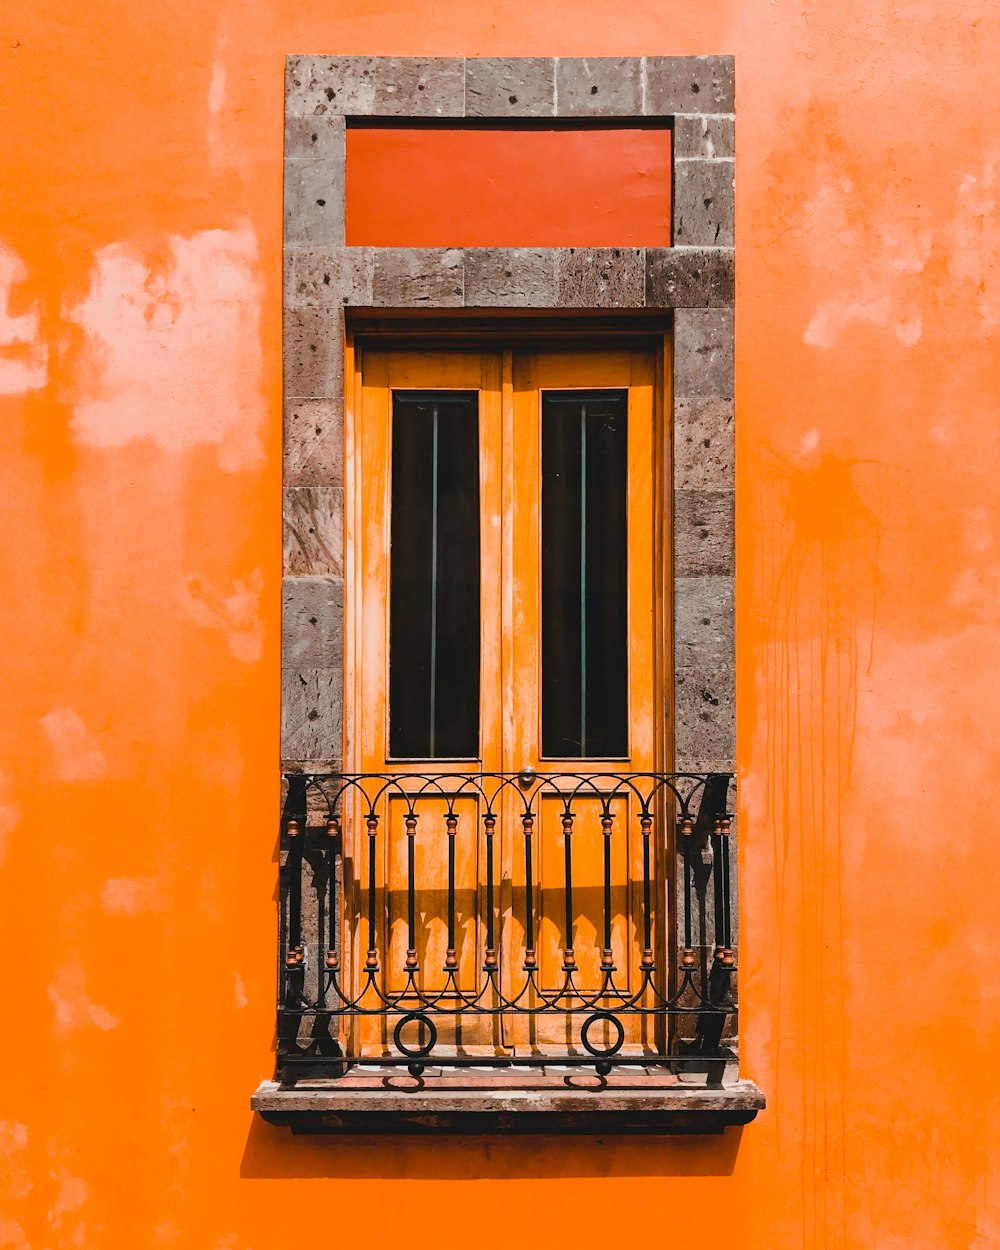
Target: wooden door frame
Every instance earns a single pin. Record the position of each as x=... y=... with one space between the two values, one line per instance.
x=493 y=340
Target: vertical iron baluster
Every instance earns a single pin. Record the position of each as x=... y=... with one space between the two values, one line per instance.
x=646 y=825
x=717 y=893
x=727 y=912
x=451 y=822
x=490 y=961
x=569 y=957
x=687 y=954
x=371 y=960
x=411 y=891
x=333 y=910
x=528 y=821
x=294 y=956
x=607 y=959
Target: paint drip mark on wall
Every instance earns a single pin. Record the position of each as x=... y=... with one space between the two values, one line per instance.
x=173 y=351
x=24 y=360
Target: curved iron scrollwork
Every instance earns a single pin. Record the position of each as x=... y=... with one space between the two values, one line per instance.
x=336 y=971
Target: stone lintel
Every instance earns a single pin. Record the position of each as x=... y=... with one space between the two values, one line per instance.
x=508 y=87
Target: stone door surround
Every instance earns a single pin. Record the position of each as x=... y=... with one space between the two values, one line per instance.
x=692 y=279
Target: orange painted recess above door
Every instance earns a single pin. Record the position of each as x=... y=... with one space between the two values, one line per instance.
x=506 y=186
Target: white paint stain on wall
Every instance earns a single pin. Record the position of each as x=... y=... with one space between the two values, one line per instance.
x=76 y=753
x=235 y=615
x=131 y=896
x=974 y=255
x=71 y=1193
x=24 y=358
x=73 y=1006
x=239 y=990
x=173 y=350
x=883 y=256
x=879 y=257
x=15 y=1180
x=10 y=815
x=217 y=85
x=12 y=1235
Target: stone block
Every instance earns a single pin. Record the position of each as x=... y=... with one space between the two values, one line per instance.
x=689 y=84
x=329 y=275
x=703 y=353
x=704 y=680
x=704 y=444
x=312 y=622
x=704 y=207
x=313 y=530
x=419 y=86
x=704 y=137
x=514 y=86
x=414 y=277
x=510 y=278
x=600 y=277
x=320 y=85
x=703 y=533
x=703 y=622
x=601 y=86
x=312 y=709
x=314 y=353
x=314 y=138
x=704 y=721
x=314 y=201
x=689 y=277
x=313 y=442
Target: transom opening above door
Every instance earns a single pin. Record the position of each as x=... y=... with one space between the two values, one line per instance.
x=500 y=184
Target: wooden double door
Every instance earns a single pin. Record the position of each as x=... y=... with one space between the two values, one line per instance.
x=504 y=604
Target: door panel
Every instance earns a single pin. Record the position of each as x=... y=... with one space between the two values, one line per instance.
x=506 y=564
x=561 y=401
x=429 y=488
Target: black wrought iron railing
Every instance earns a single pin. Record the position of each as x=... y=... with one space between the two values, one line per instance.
x=498 y=919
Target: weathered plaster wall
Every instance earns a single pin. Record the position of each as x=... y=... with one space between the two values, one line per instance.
x=140 y=230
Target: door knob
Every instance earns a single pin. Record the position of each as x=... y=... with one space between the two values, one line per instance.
x=526 y=777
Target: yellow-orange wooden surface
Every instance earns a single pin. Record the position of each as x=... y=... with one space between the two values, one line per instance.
x=510 y=387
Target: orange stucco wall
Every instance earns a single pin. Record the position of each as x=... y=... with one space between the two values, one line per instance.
x=140 y=228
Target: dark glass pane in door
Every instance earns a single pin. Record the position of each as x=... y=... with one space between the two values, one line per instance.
x=434 y=576
x=584 y=574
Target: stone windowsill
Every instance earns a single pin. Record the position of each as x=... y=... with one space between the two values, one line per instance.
x=539 y=1101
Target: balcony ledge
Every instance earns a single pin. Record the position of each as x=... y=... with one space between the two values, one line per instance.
x=317 y=1105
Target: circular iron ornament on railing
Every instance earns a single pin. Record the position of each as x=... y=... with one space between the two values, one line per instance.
x=415 y=1052
x=602 y=1054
